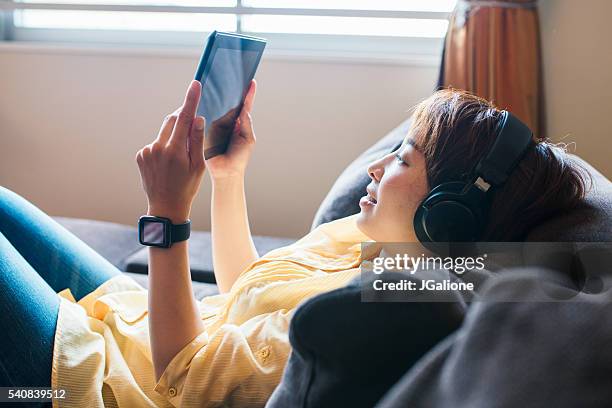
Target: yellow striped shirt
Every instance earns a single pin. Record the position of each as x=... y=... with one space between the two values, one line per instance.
x=102 y=356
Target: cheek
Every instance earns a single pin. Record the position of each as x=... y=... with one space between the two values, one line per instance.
x=401 y=192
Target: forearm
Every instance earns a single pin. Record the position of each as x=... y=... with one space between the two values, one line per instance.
x=174 y=317
x=232 y=243
x=171 y=170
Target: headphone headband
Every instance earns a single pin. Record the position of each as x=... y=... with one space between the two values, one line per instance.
x=512 y=141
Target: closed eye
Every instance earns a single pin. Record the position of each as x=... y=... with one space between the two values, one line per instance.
x=399 y=158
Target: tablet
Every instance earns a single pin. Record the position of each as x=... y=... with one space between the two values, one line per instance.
x=226 y=68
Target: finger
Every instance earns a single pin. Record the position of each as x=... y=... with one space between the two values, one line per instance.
x=250 y=96
x=139 y=159
x=182 y=128
x=146 y=151
x=196 y=141
x=237 y=126
x=243 y=123
x=166 y=128
x=246 y=126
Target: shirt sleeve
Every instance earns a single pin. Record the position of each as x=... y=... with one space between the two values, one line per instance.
x=239 y=365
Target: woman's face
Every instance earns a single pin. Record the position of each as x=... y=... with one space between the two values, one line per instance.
x=399 y=184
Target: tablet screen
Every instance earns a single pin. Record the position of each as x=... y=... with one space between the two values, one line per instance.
x=224 y=84
x=225 y=80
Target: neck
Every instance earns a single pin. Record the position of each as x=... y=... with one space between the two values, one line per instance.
x=373 y=250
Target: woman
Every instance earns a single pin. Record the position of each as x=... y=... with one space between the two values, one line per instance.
x=122 y=345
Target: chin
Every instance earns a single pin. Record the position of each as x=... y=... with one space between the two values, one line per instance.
x=379 y=231
x=364 y=223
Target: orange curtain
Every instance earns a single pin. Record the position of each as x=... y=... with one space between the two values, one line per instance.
x=492 y=49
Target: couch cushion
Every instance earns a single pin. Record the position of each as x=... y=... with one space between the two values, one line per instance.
x=348 y=353
x=115 y=242
x=342 y=199
x=200 y=255
x=200 y=289
x=590 y=222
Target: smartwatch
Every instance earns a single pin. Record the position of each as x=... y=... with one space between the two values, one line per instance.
x=160 y=232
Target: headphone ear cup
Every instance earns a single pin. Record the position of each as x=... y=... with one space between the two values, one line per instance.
x=448 y=214
x=419 y=225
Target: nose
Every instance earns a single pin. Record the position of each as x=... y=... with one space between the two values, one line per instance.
x=376 y=169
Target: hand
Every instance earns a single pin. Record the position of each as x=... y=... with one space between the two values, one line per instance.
x=172 y=166
x=234 y=161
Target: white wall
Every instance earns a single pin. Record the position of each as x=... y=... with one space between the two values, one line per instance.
x=578 y=76
x=71 y=122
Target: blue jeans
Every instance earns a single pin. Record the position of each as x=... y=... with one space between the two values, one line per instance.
x=38 y=258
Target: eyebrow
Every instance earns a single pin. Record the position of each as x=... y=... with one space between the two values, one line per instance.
x=409 y=141
x=414 y=145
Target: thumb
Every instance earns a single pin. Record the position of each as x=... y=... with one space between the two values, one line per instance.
x=245 y=125
x=196 y=141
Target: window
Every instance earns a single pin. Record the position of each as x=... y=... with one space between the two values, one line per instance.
x=383 y=27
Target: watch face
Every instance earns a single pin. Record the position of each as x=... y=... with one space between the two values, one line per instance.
x=153 y=232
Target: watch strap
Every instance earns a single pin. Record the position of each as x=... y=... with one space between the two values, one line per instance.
x=180 y=232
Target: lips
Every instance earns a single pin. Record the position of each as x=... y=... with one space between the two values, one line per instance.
x=371 y=196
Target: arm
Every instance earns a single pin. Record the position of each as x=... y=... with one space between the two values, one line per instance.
x=172 y=305
x=232 y=243
x=171 y=175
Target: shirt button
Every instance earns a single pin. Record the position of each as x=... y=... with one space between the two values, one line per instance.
x=264 y=353
x=172 y=391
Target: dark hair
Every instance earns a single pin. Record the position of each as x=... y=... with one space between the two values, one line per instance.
x=454 y=129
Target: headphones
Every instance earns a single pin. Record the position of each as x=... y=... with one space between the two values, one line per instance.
x=457 y=211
